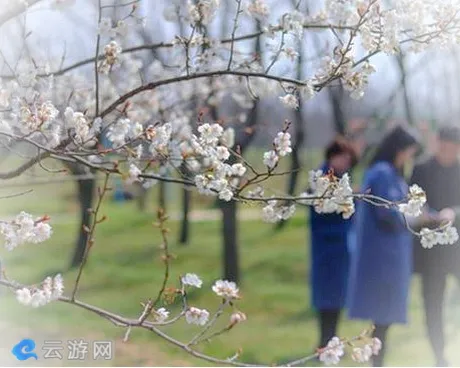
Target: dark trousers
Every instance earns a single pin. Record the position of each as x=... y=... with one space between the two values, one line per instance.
x=433 y=290
x=381 y=333
x=328 y=320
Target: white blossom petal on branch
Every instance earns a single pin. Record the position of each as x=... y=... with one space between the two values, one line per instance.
x=332 y=352
x=192 y=279
x=51 y=289
x=24 y=229
x=446 y=236
x=226 y=289
x=197 y=316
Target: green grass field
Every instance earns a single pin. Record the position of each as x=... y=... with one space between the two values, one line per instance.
x=125 y=268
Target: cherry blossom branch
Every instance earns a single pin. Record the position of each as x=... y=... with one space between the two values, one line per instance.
x=25 y=166
x=164 y=44
x=211 y=323
x=214 y=334
x=235 y=26
x=156 y=84
x=96 y=71
x=161 y=215
x=120 y=321
x=46 y=152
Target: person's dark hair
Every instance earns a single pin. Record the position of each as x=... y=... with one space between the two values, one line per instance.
x=449 y=133
x=395 y=141
x=339 y=146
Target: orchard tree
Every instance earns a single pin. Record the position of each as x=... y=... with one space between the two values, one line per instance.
x=146 y=117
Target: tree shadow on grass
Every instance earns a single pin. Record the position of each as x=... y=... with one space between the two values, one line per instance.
x=127 y=257
x=304 y=315
x=283 y=272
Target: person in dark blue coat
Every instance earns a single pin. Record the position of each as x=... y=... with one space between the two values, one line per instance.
x=381 y=264
x=329 y=253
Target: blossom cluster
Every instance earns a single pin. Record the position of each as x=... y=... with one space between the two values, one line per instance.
x=364 y=353
x=25 y=229
x=192 y=279
x=112 y=53
x=258 y=9
x=281 y=147
x=34 y=116
x=275 y=211
x=290 y=100
x=415 y=203
x=197 y=316
x=219 y=178
x=84 y=130
x=226 y=289
x=445 y=236
x=329 y=194
x=428 y=238
x=49 y=290
x=342 y=64
x=161 y=315
x=202 y=11
x=335 y=350
x=122 y=131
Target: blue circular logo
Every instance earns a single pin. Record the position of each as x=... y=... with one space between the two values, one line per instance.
x=24 y=350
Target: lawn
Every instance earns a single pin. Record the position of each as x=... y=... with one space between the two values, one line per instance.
x=125 y=268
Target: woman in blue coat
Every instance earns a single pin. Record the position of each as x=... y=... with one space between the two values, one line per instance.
x=381 y=263
x=329 y=253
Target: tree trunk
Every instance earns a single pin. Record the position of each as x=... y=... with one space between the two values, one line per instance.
x=85 y=196
x=184 y=236
x=339 y=116
x=229 y=209
x=243 y=137
x=162 y=195
x=295 y=167
x=230 y=234
x=142 y=198
x=185 y=224
x=229 y=227
x=407 y=104
x=299 y=135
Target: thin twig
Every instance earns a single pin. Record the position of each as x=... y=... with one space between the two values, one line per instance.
x=96 y=69
x=161 y=215
x=278 y=53
x=211 y=323
x=235 y=26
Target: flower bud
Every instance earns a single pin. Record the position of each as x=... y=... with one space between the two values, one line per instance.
x=237 y=317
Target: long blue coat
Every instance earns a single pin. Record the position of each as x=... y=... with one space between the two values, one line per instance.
x=329 y=259
x=381 y=263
